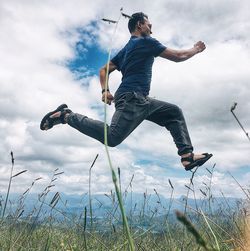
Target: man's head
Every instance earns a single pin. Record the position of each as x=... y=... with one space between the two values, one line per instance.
x=138 y=23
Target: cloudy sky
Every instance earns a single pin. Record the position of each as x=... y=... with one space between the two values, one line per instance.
x=50 y=54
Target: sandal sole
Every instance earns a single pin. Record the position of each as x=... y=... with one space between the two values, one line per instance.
x=199 y=162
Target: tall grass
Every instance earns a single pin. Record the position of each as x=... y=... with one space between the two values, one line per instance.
x=49 y=225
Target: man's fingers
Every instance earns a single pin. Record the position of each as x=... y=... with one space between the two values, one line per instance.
x=109 y=97
x=108 y=101
x=200 y=46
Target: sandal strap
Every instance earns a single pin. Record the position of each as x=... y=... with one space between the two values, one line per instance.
x=189 y=158
x=64 y=111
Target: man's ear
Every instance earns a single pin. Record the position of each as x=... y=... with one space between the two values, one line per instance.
x=138 y=25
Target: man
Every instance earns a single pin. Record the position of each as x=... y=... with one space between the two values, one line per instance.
x=131 y=99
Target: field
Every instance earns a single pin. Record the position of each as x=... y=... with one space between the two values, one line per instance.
x=199 y=224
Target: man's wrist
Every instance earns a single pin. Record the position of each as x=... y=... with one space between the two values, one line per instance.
x=197 y=49
x=104 y=90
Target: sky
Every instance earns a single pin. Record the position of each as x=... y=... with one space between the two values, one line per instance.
x=51 y=52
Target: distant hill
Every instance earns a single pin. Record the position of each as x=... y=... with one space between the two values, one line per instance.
x=136 y=204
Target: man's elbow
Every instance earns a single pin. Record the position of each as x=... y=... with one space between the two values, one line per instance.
x=180 y=57
x=102 y=70
x=177 y=59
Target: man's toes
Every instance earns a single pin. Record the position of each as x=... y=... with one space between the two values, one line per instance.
x=55 y=115
x=46 y=125
x=199 y=156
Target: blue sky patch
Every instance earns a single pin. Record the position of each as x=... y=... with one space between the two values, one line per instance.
x=88 y=60
x=89 y=57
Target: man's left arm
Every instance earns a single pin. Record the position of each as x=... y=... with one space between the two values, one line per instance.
x=182 y=55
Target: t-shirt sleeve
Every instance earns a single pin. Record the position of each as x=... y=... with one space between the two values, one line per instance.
x=156 y=47
x=117 y=60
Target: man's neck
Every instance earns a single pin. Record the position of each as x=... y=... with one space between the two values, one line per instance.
x=136 y=34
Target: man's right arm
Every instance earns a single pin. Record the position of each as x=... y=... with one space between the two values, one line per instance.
x=182 y=55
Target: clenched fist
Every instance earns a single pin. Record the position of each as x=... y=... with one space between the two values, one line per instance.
x=110 y=97
x=200 y=46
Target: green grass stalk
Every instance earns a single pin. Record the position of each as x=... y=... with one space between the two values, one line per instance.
x=215 y=238
x=84 y=228
x=90 y=197
x=183 y=219
x=9 y=185
x=210 y=187
x=114 y=178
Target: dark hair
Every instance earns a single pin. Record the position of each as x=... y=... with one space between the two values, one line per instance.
x=135 y=18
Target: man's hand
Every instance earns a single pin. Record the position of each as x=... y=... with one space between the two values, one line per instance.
x=200 y=46
x=110 y=97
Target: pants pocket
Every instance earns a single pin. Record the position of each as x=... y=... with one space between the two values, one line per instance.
x=122 y=99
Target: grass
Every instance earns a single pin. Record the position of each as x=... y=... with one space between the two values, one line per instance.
x=49 y=226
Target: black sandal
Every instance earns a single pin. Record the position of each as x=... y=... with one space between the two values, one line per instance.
x=193 y=163
x=48 y=122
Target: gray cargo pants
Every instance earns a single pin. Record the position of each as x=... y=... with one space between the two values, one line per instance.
x=131 y=109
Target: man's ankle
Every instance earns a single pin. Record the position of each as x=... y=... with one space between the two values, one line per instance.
x=185 y=155
x=66 y=117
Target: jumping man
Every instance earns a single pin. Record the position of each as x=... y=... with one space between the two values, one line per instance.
x=132 y=103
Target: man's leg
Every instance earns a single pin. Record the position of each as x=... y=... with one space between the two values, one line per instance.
x=171 y=117
x=128 y=115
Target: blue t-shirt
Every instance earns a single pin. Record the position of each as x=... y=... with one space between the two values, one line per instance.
x=135 y=62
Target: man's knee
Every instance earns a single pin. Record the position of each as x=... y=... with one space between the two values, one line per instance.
x=177 y=110
x=113 y=142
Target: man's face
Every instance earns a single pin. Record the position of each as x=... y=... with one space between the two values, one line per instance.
x=145 y=28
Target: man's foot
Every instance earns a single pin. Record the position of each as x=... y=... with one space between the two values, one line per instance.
x=55 y=117
x=190 y=160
